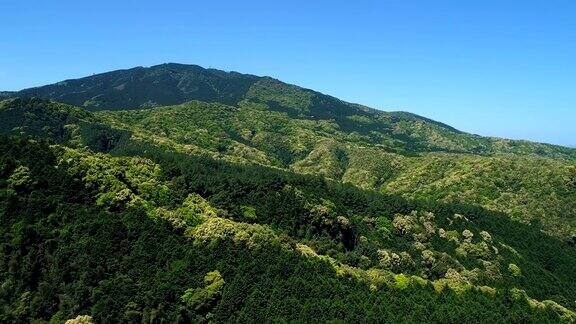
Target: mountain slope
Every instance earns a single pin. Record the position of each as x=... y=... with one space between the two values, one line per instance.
x=273 y=202
x=529 y=188
x=147 y=87
x=170 y=84
x=130 y=237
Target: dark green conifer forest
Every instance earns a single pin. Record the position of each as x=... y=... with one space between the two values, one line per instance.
x=181 y=194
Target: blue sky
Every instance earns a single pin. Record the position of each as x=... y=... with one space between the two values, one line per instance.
x=499 y=68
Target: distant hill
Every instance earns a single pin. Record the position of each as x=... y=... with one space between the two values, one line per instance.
x=140 y=87
x=7 y=94
x=172 y=84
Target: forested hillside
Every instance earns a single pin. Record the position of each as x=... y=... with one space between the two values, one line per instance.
x=171 y=84
x=526 y=186
x=262 y=201
x=6 y=94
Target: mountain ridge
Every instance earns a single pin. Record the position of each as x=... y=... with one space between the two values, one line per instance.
x=166 y=83
x=43 y=92
x=175 y=83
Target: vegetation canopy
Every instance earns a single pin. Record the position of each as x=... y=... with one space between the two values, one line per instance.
x=181 y=194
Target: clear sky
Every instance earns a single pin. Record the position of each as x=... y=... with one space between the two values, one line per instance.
x=493 y=67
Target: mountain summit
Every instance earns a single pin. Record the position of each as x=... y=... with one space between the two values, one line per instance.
x=139 y=87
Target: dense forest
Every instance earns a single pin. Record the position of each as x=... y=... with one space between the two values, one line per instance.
x=261 y=201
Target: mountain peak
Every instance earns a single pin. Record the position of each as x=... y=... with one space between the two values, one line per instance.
x=142 y=87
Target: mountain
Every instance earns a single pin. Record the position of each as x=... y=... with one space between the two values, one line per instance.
x=264 y=201
x=140 y=87
x=276 y=124
x=172 y=84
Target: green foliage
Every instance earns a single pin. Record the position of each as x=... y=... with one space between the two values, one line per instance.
x=249 y=213
x=514 y=270
x=80 y=319
x=20 y=178
x=249 y=134
x=402 y=281
x=205 y=297
x=311 y=208
x=530 y=190
x=103 y=252
x=58 y=122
